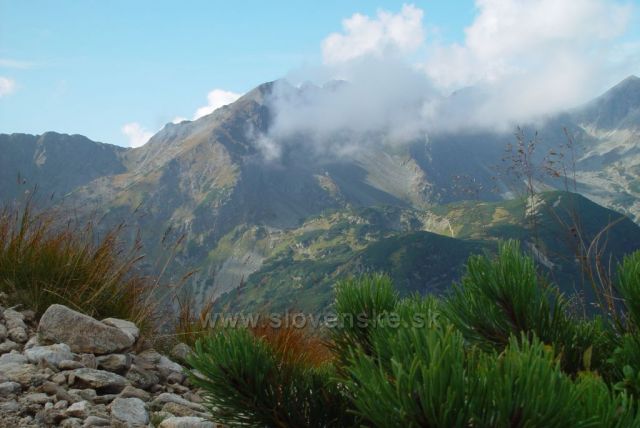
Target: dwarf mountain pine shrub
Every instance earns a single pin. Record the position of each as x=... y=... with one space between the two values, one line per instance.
x=249 y=382
x=501 y=350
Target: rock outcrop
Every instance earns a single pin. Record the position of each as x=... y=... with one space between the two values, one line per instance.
x=71 y=370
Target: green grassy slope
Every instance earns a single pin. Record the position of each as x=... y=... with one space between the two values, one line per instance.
x=298 y=273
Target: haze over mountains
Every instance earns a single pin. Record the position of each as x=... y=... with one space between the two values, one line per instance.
x=264 y=204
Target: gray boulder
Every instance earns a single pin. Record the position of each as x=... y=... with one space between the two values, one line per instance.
x=167 y=397
x=133 y=392
x=82 y=333
x=78 y=410
x=16 y=328
x=8 y=388
x=52 y=354
x=13 y=358
x=129 y=412
x=8 y=346
x=70 y=365
x=180 y=352
x=165 y=366
x=14 y=319
x=126 y=326
x=24 y=374
x=117 y=363
x=96 y=421
x=141 y=378
x=102 y=381
x=186 y=422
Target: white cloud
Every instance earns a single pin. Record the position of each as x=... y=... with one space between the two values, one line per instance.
x=388 y=33
x=216 y=99
x=509 y=36
x=534 y=57
x=7 y=86
x=178 y=119
x=381 y=100
x=524 y=59
x=136 y=133
x=380 y=104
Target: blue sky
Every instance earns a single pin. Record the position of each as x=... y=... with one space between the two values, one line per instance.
x=90 y=67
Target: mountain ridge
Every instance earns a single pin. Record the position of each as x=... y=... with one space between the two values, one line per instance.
x=618 y=107
x=207 y=179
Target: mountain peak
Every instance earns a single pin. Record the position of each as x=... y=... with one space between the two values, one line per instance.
x=619 y=107
x=630 y=83
x=259 y=93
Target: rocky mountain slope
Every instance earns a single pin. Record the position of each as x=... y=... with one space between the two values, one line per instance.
x=608 y=148
x=210 y=181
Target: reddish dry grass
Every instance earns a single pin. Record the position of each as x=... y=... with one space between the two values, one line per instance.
x=295 y=345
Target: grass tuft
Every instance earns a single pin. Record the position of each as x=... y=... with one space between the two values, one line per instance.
x=43 y=262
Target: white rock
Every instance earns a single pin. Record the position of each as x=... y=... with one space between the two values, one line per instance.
x=24 y=374
x=186 y=422
x=8 y=345
x=130 y=411
x=127 y=326
x=78 y=410
x=37 y=398
x=13 y=357
x=7 y=388
x=96 y=421
x=61 y=405
x=166 y=366
x=100 y=380
x=52 y=354
x=10 y=406
x=16 y=328
x=14 y=319
x=167 y=397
